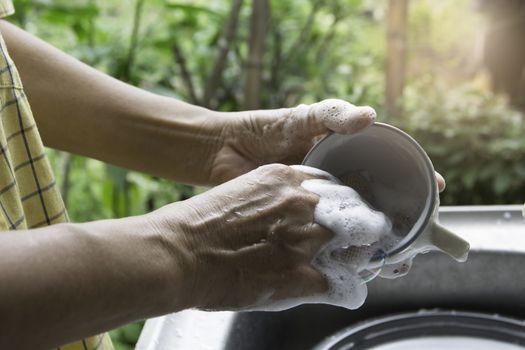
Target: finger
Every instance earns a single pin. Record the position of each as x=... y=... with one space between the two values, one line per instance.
x=317 y=283
x=307 y=172
x=340 y=116
x=308 y=239
x=301 y=282
x=440 y=181
x=320 y=235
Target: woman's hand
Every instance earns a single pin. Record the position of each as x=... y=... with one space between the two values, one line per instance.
x=248 y=241
x=252 y=138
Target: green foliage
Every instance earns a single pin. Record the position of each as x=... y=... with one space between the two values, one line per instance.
x=127 y=336
x=473 y=139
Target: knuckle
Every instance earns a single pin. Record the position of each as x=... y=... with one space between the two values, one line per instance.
x=303 y=199
x=275 y=169
x=281 y=169
x=311 y=198
x=293 y=200
x=264 y=168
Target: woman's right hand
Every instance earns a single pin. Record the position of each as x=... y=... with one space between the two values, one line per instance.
x=248 y=241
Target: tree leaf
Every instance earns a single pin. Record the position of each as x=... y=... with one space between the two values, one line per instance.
x=502 y=183
x=193 y=9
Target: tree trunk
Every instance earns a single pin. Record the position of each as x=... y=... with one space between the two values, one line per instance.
x=254 y=64
x=215 y=78
x=185 y=73
x=396 y=56
x=504 y=51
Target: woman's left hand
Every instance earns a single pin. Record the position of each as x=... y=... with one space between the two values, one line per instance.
x=254 y=138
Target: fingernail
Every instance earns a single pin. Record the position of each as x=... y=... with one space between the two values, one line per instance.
x=441 y=179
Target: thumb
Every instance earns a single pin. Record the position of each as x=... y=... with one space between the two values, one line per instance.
x=339 y=116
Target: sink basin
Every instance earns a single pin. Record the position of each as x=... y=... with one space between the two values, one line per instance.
x=491 y=281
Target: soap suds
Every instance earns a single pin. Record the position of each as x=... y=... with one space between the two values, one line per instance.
x=360 y=234
x=331 y=114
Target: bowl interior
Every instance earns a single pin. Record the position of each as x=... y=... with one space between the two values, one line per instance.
x=388 y=169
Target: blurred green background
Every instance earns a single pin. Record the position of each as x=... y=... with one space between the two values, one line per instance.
x=441 y=83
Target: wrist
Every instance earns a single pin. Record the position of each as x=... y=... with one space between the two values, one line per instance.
x=193 y=137
x=168 y=228
x=145 y=259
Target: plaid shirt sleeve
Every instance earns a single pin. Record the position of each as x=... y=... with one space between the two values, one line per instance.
x=29 y=197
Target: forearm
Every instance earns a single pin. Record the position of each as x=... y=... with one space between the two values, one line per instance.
x=68 y=281
x=83 y=111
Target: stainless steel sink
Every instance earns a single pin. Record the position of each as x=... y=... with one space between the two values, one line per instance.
x=492 y=280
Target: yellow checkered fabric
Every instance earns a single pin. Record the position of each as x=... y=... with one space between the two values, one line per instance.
x=29 y=197
x=6 y=8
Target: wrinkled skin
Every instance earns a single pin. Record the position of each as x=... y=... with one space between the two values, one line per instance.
x=253 y=138
x=249 y=240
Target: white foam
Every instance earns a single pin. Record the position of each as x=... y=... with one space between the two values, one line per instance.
x=341 y=209
x=359 y=232
x=357 y=227
x=332 y=114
